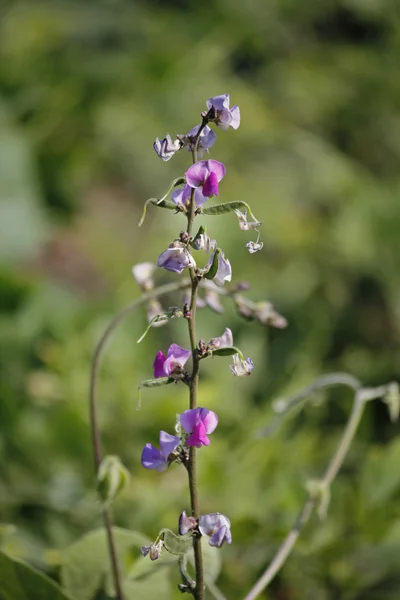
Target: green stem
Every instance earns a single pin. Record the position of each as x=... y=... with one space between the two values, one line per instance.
x=198 y=592
x=362 y=396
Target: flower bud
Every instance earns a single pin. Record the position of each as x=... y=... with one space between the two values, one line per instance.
x=112 y=477
x=186 y=523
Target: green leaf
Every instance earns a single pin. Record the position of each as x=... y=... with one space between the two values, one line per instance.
x=162 y=202
x=19 y=581
x=212 y=560
x=86 y=565
x=227 y=351
x=227 y=207
x=169 y=314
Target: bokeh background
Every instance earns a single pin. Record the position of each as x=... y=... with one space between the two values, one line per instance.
x=85 y=89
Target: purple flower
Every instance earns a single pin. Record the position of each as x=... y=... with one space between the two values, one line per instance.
x=225 y=117
x=175 y=259
x=186 y=523
x=206 y=174
x=181 y=196
x=218 y=527
x=166 y=148
x=224 y=341
x=198 y=422
x=176 y=358
x=241 y=367
x=154 y=550
x=207 y=139
x=153 y=458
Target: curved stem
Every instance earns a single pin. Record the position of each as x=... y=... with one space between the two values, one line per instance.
x=362 y=395
x=93 y=416
x=325 y=381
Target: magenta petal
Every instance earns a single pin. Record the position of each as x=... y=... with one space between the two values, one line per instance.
x=158 y=365
x=199 y=436
x=197 y=174
x=210 y=187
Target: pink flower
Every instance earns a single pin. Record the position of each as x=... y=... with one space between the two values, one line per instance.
x=206 y=174
x=176 y=358
x=198 y=422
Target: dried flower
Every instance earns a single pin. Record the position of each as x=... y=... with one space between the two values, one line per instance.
x=241 y=367
x=166 y=148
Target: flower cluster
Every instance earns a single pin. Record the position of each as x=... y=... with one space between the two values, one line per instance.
x=194 y=426
x=189 y=195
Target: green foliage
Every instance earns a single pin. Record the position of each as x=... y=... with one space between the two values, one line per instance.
x=19 y=581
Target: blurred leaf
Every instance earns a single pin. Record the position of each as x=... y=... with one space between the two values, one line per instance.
x=86 y=565
x=380 y=477
x=19 y=581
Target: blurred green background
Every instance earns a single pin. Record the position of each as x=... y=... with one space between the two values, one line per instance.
x=85 y=89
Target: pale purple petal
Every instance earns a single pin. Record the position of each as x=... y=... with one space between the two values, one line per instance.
x=168 y=443
x=188 y=419
x=209 y=418
x=207 y=137
x=224 y=272
x=175 y=259
x=153 y=459
x=197 y=174
x=224 y=119
x=235 y=112
x=241 y=367
x=181 y=195
x=214 y=166
x=176 y=359
x=186 y=523
x=199 y=197
x=158 y=365
x=219 y=102
x=223 y=534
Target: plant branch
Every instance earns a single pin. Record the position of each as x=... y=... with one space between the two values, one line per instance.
x=362 y=395
x=198 y=592
x=93 y=416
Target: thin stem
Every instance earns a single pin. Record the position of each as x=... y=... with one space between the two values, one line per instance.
x=362 y=395
x=198 y=592
x=325 y=381
x=93 y=416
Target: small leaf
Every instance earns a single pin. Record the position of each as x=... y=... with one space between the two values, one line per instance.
x=169 y=314
x=162 y=202
x=19 y=581
x=227 y=351
x=150 y=383
x=227 y=207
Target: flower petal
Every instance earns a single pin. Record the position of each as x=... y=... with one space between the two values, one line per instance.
x=210 y=187
x=168 y=443
x=214 y=166
x=158 y=365
x=199 y=436
x=153 y=459
x=197 y=174
x=188 y=419
x=209 y=418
